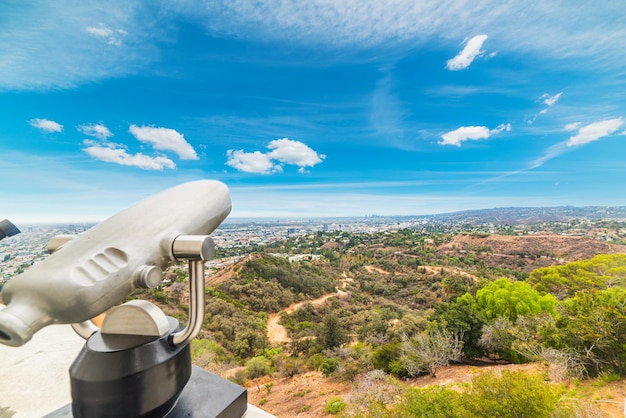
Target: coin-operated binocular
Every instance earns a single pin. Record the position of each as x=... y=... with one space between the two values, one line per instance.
x=138 y=364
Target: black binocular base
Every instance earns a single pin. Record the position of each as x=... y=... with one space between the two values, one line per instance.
x=206 y=395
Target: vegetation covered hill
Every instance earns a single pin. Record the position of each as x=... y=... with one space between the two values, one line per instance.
x=391 y=307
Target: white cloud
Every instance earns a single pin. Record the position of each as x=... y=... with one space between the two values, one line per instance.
x=122 y=157
x=550 y=100
x=586 y=134
x=112 y=36
x=294 y=152
x=164 y=139
x=471 y=51
x=595 y=131
x=284 y=151
x=46 y=125
x=251 y=162
x=96 y=130
x=465 y=133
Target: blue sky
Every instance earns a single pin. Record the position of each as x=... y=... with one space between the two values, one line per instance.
x=316 y=108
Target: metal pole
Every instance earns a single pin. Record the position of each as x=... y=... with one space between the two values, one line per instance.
x=196 y=305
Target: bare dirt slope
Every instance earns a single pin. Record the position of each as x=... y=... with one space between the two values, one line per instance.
x=529 y=251
x=224 y=274
x=562 y=246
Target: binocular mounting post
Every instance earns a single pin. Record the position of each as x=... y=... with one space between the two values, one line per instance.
x=138 y=364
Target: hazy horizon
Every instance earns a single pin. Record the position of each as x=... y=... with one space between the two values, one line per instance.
x=373 y=216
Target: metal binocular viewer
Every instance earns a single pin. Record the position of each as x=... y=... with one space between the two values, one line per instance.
x=138 y=364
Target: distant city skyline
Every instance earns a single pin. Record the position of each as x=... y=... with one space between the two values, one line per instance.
x=311 y=109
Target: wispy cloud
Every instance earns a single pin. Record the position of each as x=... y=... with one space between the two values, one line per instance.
x=386 y=110
x=96 y=130
x=111 y=36
x=164 y=139
x=595 y=131
x=588 y=133
x=62 y=45
x=46 y=125
x=551 y=152
x=468 y=54
x=466 y=133
x=357 y=23
x=549 y=101
x=284 y=151
x=51 y=45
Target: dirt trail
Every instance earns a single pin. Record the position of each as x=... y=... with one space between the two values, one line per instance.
x=277 y=334
x=372 y=269
x=427 y=270
x=449 y=270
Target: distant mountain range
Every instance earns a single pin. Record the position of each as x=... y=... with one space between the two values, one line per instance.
x=522 y=215
x=496 y=216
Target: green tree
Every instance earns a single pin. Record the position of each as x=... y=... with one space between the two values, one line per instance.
x=332 y=333
x=497 y=338
x=463 y=317
x=593 y=323
x=386 y=355
x=511 y=299
x=600 y=272
x=329 y=366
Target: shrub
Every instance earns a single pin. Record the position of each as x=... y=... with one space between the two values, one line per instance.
x=239 y=377
x=334 y=405
x=257 y=367
x=328 y=366
x=513 y=394
x=431 y=402
x=509 y=395
x=289 y=366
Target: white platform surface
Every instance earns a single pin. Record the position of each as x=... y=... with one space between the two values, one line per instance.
x=34 y=378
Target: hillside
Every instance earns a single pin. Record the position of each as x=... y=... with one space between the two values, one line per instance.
x=529 y=251
x=306 y=331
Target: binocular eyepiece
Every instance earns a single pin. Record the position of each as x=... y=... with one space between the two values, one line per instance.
x=7 y=229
